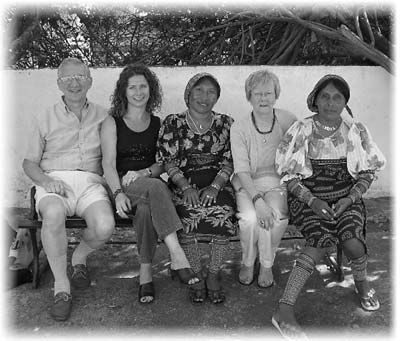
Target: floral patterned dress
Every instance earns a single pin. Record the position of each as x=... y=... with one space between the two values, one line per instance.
x=200 y=157
x=328 y=167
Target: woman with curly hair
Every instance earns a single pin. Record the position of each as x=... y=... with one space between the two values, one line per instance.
x=128 y=142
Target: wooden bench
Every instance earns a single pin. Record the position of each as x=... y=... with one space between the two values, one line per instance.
x=27 y=218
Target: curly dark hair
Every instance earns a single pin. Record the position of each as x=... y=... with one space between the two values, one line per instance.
x=119 y=103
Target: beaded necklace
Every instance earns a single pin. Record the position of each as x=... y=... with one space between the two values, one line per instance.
x=264 y=132
x=199 y=127
x=327 y=128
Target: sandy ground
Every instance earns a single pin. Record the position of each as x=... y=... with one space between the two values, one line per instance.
x=325 y=309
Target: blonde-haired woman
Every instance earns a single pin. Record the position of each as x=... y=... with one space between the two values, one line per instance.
x=261 y=200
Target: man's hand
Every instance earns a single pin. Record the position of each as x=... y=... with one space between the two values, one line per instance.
x=56 y=186
x=123 y=205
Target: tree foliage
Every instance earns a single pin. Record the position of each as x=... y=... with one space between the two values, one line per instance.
x=41 y=36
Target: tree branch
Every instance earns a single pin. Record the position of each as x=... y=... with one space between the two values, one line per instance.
x=375 y=55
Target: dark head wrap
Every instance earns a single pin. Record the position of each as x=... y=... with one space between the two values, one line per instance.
x=195 y=79
x=324 y=81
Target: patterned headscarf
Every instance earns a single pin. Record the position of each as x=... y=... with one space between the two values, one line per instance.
x=194 y=80
x=317 y=88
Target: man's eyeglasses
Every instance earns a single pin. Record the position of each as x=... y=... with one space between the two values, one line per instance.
x=69 y=79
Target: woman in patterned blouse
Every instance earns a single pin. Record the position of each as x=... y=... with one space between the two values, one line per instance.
x=328 y=162
x=195 y=149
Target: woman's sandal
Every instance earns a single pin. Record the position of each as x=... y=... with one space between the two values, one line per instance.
x=197 y=294
x=268 y=285
x=146 y=290
x=248 y=279
x=370 y=301
x=288 y=331
x=216 y=296
x=185 y=275
x=265 y=284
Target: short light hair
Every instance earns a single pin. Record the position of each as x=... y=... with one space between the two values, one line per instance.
x=261 y=77
x=75 y=61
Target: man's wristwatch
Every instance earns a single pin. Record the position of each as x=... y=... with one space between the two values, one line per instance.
x=117 y=191
x=256 y=197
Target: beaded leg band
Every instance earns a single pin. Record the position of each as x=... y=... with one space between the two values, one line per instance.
x=302 y=270
x=359 y=268
x=219 y=252
x=191 y=248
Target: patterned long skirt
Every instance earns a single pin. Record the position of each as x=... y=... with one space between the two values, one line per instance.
x=330 y=182
x=216 y=219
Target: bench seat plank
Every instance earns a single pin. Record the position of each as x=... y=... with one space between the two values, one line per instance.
x=27 y=219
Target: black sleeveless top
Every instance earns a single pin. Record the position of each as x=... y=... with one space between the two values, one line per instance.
x=136 y=151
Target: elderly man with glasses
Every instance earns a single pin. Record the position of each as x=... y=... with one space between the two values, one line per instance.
x=63 y=160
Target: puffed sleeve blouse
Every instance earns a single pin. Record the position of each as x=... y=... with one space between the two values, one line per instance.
x=293 y=153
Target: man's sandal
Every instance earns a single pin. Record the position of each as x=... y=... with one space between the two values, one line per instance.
x=370 y=301
x=288 y=331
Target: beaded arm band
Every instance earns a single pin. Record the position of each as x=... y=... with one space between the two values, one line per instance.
x=224 y=174
x=361 y=186
x=175 y=174
x=297 y=188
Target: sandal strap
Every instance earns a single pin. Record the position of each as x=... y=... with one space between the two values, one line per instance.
x=197 y=295
x=146 y=289
x=293 y=330
x=370 y=294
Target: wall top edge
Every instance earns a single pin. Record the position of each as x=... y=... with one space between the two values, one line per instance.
x=217 y=66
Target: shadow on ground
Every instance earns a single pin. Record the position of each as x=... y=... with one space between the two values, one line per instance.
x=110 y=307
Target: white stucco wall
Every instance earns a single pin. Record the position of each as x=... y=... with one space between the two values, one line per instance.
x=27 y=92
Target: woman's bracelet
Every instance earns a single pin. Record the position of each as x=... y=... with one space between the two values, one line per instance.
x=256 y=197
x=116 y=192
x=353 y=197
x=176 y=177
x=184 y=188
x=312 y=199
x=216 y=186
x=224 y=175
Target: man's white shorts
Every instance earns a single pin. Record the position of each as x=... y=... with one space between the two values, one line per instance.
x=83 y=189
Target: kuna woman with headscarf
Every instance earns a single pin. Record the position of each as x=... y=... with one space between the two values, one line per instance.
x=195 y=148
x=328 y=162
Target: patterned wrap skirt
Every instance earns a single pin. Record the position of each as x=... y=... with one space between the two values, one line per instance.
x=330 y=182
x=216 y=219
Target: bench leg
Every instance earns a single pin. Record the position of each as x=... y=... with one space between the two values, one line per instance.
x=340 y=263
x=35 y=262
x=335 y=263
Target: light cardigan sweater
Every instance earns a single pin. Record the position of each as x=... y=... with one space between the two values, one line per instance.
x=244 y=144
